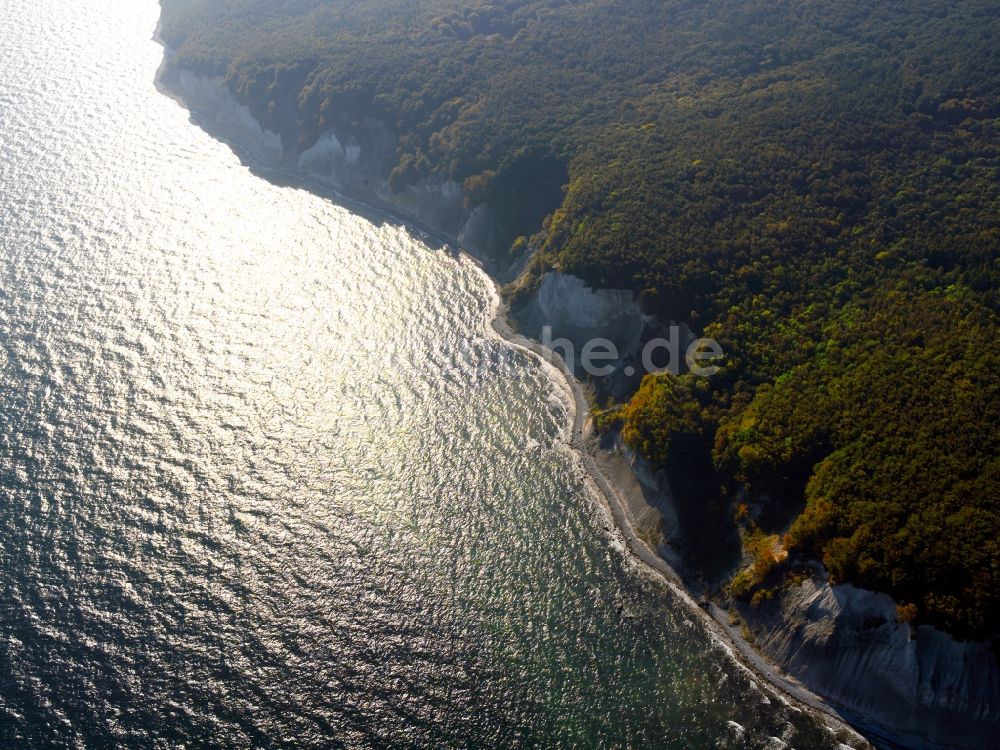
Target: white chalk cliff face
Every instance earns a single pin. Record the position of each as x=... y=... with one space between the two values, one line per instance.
x=356 y=165
x=436 y=202
x=212 y=100
x=328 y=154
x=566 y=300
x=924 y=688
x=647 y=499
x=479 y=229
x=580 y=314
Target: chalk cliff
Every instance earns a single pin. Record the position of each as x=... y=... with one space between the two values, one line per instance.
x=578 y=314
x=921 y=688
x=355 y=164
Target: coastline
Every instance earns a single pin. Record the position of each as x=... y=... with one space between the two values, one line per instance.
x=579 y=438
x=584 y=446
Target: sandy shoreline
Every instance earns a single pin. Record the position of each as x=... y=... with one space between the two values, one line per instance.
x=579 y=438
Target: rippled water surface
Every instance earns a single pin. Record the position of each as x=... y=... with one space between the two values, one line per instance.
x=265 y=480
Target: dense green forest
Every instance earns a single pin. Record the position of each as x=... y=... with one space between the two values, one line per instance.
x=815 y=184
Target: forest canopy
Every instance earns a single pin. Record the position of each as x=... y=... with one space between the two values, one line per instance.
x=816 y=184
